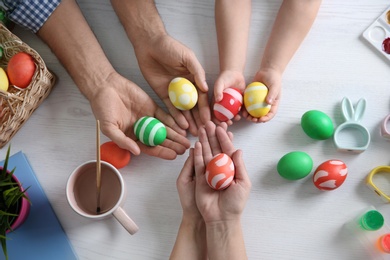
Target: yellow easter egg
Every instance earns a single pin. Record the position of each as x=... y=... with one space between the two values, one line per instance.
x=182 y=93
x=254 y=99
x=3 y=80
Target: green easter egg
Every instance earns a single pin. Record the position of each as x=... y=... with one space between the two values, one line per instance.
x=317 y=125
x=295 y=165
x=150 y=131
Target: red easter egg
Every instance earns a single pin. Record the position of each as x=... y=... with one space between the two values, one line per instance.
x=229 y=106
x=113 y=154
x=21 y=69
x=220 y=172
x=330 y=175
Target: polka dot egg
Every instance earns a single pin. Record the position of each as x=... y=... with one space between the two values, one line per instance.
x=182 y=93
x=220 y=172
x=330 y=175
x=229 y=106
x=254 y=99
x=150 y=131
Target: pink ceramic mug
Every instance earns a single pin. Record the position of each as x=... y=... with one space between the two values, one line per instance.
x=81 y=192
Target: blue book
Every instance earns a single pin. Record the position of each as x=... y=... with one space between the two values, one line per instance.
x=41 y=236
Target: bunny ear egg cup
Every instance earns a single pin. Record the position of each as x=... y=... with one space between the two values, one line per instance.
x=385 y=132
x=182 y=93
x=150 y=131
x=378 y=33
x=254 y=99
x=352 y=126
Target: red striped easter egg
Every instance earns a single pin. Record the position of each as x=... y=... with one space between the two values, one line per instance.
x=229 y=106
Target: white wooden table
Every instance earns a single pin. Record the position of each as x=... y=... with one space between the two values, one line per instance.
x=283 y=219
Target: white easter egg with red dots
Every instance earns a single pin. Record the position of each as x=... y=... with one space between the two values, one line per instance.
x=220 y=172
x=229 y=106
x=330 y=175
x=182 y=93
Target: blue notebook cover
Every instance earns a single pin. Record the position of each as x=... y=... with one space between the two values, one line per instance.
x=41 y=236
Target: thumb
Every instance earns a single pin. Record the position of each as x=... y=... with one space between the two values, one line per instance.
x=123 y=141
x=219 y=86
x=241 y=174
x=196 y=69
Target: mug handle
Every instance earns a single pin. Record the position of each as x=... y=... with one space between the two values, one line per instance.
x=125 y=221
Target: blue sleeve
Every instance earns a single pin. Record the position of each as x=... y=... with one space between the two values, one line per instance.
x=31 y=14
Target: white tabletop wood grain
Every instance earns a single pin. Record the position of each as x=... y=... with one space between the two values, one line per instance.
x=283 y=219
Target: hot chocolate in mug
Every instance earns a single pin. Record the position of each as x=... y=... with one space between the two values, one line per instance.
x=81 y=192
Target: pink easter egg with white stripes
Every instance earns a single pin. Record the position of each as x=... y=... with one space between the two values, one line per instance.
x=229 y=106
x=330 y=175
x=220 y=172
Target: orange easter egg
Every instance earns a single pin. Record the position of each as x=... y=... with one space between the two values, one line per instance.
x=220 y=172
x=112 y=153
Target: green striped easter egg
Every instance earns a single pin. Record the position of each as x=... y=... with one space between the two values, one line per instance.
x=150 y=131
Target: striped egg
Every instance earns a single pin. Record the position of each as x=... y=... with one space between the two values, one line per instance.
x=220 y=172
x=150 y=131
x=182 y=93
x=254 y=99
x=330 y=175
x=229 y=106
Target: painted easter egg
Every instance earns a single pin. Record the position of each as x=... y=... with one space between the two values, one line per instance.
x=317 y=125
x=113 y=154
x=295 y=165
x=220 y=172
x=4 y=83
x=150 y=131
x=229 y=106
x=254 y=99
x=20 y=70
x=182 y=93
x=330 y=175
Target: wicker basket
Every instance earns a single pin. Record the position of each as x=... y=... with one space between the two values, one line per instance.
x=17 y=105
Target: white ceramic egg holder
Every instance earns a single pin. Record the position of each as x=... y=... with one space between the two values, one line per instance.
x=368 y=238
x=378 y=31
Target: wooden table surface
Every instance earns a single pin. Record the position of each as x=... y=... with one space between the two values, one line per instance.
x=283 y=219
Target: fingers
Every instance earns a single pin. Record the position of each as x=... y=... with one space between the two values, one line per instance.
x=199 y=163
x=207 y=152
x=241 y=174
x=225 y=141
x=167 y=120
x=192 y=128
x=172 y=146
x=187 y=172
x=204 y=109
x=123 y=141
x=219 y=86
x=158 y=151
x=196 y=69
x=178 y=117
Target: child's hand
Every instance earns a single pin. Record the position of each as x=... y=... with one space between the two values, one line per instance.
x=228 y=79
x=273 y=80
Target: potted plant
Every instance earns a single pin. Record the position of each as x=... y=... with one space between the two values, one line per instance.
x=14 y=203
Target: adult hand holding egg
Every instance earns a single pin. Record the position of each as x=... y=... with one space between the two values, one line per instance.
x=120 y=112
x=163 y=59
x=229 y=203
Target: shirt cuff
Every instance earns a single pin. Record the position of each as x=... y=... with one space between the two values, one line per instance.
x=32 y=14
